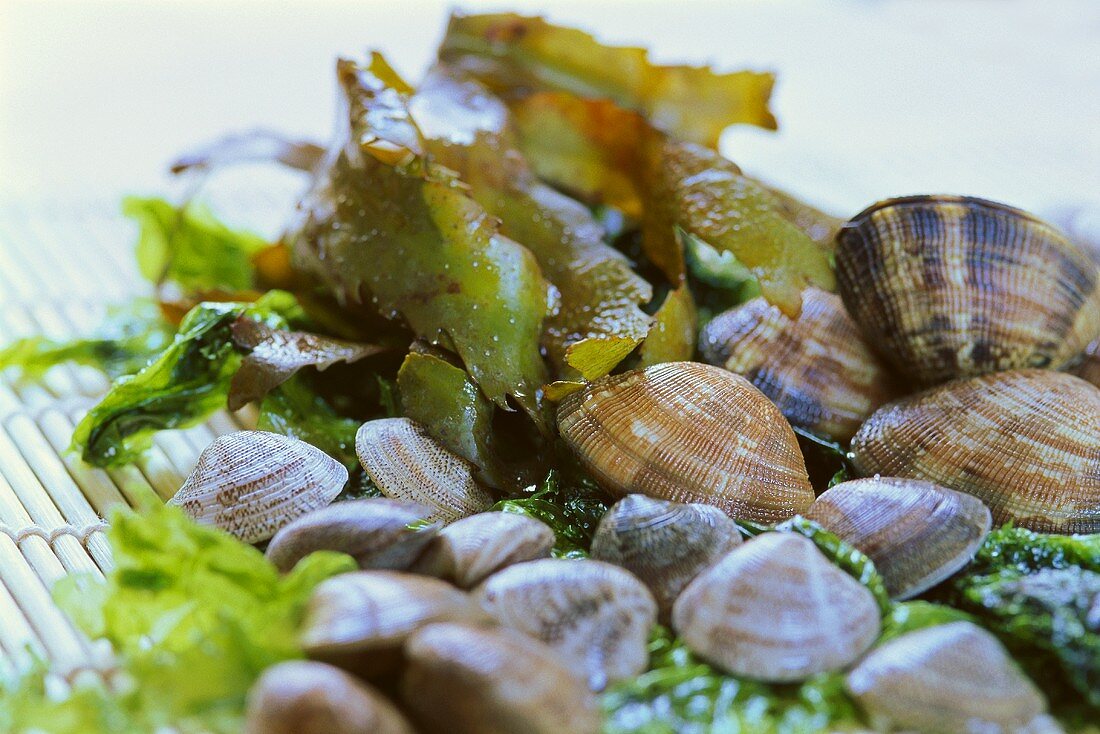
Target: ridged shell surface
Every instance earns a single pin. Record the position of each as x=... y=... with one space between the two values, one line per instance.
x=466 y=552
x=1027 y=443
x=595 y=615
x=251 y=483
x=948 y=287
x=408 y=464
x=776 y=609
x=950 y=678
x=816 y=368
x=665 y=544
x=689 y=432
x=916 y=533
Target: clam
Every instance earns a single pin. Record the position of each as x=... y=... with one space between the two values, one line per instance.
x=468 y=680
x=689 y=432
x=950 y=678
x=1024 y=442
x=251 y=483
x=378 y=533
x=916 y=533
x=359 y=621
x=595 y=615
x=303 y=697
x=1089 y=367
x=468 y=551
x=776 y=609
x=950 y=287
x=816 y=368
x=408 y=464
x=664 y=544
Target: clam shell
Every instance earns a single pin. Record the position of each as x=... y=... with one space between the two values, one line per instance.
x=359 y=621
x=1089 y=367
x=916 y=533
x=379 y=533
x=816 y=368
x=470 y=550
x=303 y=697
x=408 y=464
x=689 y=432
x=251 y=483
x=950 y=287
x=1023 y=442
x=664 y=544
x=776 y=609
x=951 y=678
x=465 y=680
x=595 y=615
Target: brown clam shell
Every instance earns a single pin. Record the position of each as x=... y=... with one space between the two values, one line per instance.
x=1024 y=442
x=689 y=432
x=776 y=609
x=665 y=544
x=948 y=287
x=950 y=678
x=916 y=533
x=816 y=368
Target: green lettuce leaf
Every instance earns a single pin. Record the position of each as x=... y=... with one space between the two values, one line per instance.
x=572 y=510
x=294 y=409
x=673 y=334
x=910 y=616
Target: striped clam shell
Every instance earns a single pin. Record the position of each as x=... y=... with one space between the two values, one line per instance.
x=689 y=432
x=408 y=464
x=948 y=287
x=816 y=368
x=252 y=483
x=916 y=533
x=468 y=551
x=776 y=609
x=1027 y=443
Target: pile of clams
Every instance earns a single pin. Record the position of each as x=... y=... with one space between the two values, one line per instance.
x=960 y=359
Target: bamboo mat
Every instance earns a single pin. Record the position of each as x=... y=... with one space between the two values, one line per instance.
x=60 y=266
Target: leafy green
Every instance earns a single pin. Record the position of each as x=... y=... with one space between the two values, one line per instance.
x=189 y=246
x=1025 y=551
x=679 y=694
x=571 y=509
x=295 y=410
x=123 y=343
x=909 y=616
x=194 y=617
x=673 y=334
x=718 y=269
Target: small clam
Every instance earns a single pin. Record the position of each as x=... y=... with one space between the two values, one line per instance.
x=776 y=609
x=1089 y=368
x=665 y=544
x=917 y=533
x=408 y=464
x=466 y=680
x=1023 y=442
x=689 y=432
x=251 y=483
x=597 y=616
x=951 y=678
x=470 y=550
x=378 y=533
x=359 y=621
x=949 y=287
x=816 y=368
x=303 y=697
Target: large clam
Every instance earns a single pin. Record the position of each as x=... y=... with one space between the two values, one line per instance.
x=1024 y=442
x=949 y=287
x=251 y=483
x=950 y=678
x=776 y=609
x=916 y=533
x=816 y=368
x=689 y=432
x=665 y=544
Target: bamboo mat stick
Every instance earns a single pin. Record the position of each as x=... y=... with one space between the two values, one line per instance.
x=95 y=484
x=179 y=451
x=37 y=551
x=21 y=644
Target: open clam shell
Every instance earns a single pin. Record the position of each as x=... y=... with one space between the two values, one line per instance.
x=1024 y=442
x=949 y=287
x=916 y=533
x=816 y=368
x=776 y=609
x=408 y=464
x=664 y=544
x=689 y=432
x=251 y=483
x=951 y=678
